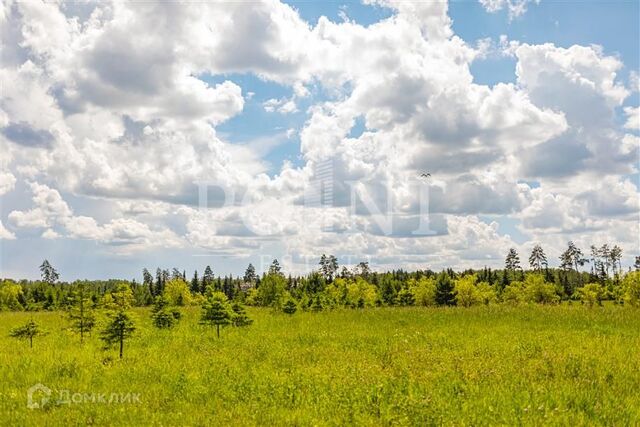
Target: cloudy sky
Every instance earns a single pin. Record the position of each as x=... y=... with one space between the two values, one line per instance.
x=135 y=134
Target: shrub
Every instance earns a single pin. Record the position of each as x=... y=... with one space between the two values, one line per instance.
x=591 y=294
x=539 y=291
x=631 y=288
x=424 y=291
x=466 y=293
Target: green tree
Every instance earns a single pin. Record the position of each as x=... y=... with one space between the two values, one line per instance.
x=444 y=290
x=194 y=287
x=48 y=273
x=631 y=288
x=28 y=331
x=118 y=329
x=424 y=291
x=274 y=268
x=591 y=294
x=466 y=293
x=177 y=291
x=240 y=317
x=81 y=313
x=290 y=306
x=537 y=259
x=216 y=311
x=538 y=291
x=207 y=279
x=512 y=261
x=272 y=290
x=162 y=314
x=10 y=295
x=250 y=275
x=317 y=304
x=406 y=297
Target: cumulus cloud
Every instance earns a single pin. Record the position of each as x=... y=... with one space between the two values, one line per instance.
x=52 y=212
x=514 y=7
x=7 y=182
x=131 y=124
x=6 y=234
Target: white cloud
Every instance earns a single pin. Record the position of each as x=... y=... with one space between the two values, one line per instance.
x=6 y=234
x=633 y=118
x=514 y=7
x=7 y=182
x=282 y=106
x=130 y=124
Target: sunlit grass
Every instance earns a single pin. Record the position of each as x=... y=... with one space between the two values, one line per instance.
x=486 y=365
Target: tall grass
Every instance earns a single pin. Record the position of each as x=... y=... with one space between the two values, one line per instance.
x=486 y=365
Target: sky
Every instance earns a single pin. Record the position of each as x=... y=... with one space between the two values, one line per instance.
x=135 y=134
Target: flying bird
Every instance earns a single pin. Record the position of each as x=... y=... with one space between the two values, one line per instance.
x=425 y=175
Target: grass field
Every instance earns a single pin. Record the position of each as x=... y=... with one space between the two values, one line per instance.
x=487 y=365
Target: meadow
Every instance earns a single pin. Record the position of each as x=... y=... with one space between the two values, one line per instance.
x=526 y=365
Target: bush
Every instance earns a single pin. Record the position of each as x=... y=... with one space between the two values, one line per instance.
x=539 y=291
x=591 y=294
x=466 y=292
x=631 y=288
x=424 y=291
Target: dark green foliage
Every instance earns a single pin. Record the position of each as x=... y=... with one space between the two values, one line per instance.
x=28 y=331
x=240 y=317
x=444 y=290
x=118 y=329
x=163 y=315
x=81 y=313
x=405 y=297
x=317 y=304
x=216 y=311
x=48 y=273
x=290 y=306
x=250 y=275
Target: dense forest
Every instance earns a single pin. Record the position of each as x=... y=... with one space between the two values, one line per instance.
x=590 y=279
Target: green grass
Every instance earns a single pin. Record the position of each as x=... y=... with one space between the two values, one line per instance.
x=564 y=365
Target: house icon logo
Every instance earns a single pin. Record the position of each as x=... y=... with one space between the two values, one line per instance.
x=37 y=396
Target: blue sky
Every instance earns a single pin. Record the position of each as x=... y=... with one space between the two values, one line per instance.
x=255 y=99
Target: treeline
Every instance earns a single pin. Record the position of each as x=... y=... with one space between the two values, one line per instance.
x=591 y=279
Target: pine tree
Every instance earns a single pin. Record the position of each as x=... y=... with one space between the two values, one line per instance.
x=538 y=259
x=215 y=311
x=444 y=290
x=317 y=304
x=240 y=317
x=290 y=306
x=120 y=325
x=147 y=280
x=275 y=267
x=48 y=273
x=119 y=328
x=195 y=283
x=512 y=261
x=162 y=314
x=250 y=275
x=28 y=331
x=81 y=314
x=405 y=297
x=207 y=280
